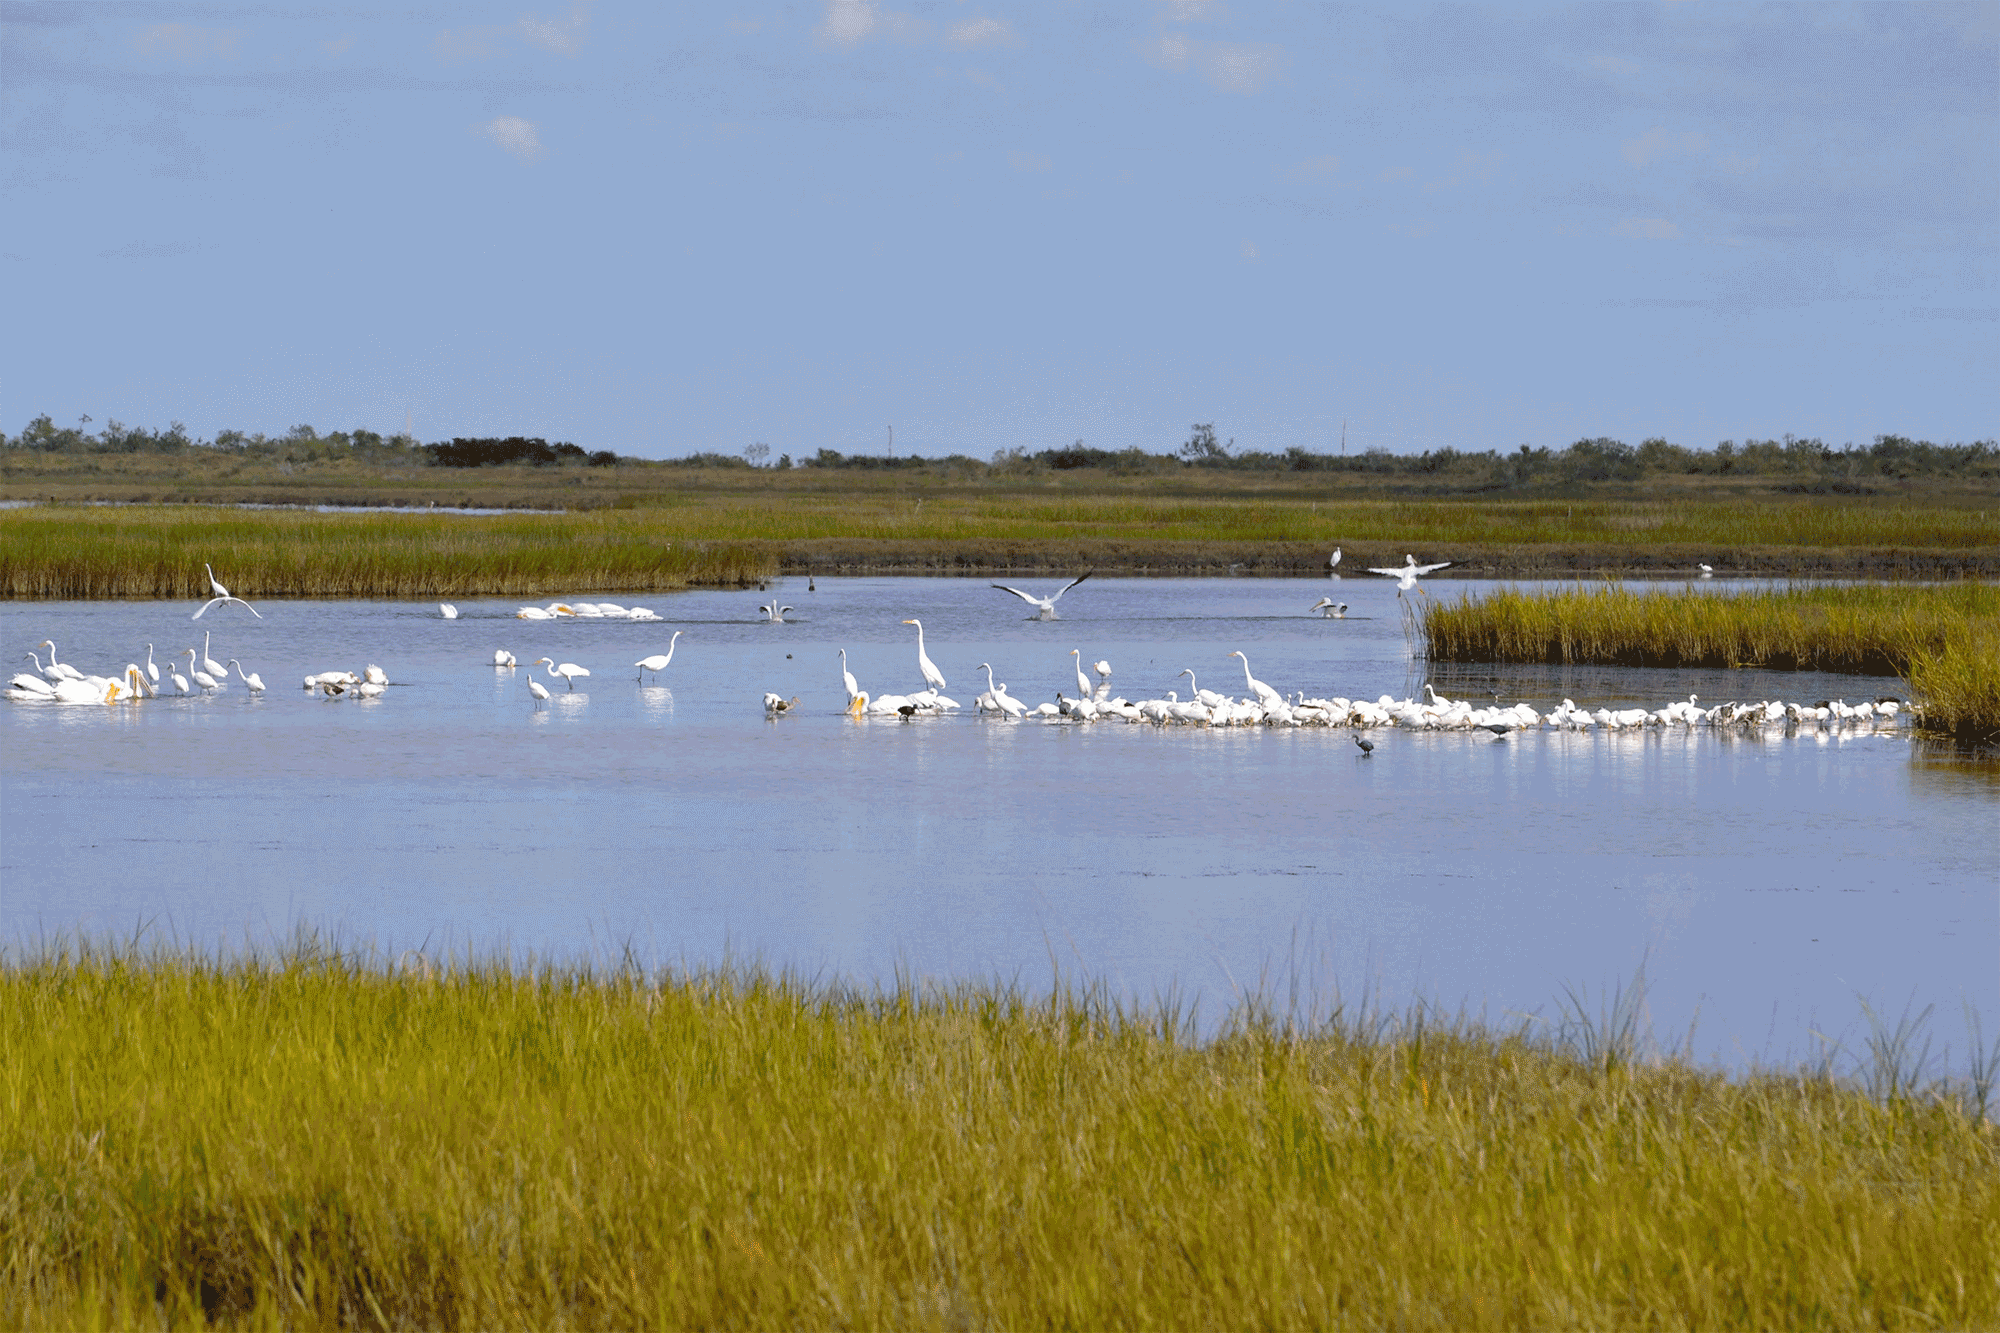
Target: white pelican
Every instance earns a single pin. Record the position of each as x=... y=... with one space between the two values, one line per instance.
x=34 y=685
x=370 y=689
x=151 y=670
x=569 y=671
x=658 y=661
x=535 y=688
x=932 y=676
x=209 y=664
x=374 y=675
x=1406 y=575
x=1103 y=670
x=449 y=611
x=1329 y=609
x=775 y=704
x=502 y=658
x=207 y=682
x=534 y=613
x=253 y=680
x=1265 y=694
x=1046 y=606
x=221 y=595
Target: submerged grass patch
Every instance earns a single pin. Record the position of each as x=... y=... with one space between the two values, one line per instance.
x=1942 y=638
x=159 y=551
x=316 y=1142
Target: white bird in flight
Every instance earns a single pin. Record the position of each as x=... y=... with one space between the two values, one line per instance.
x=1406 y=576
x=1046 y=605
x=222 y=595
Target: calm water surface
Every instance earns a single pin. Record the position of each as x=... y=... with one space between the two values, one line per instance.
x=1768 y=881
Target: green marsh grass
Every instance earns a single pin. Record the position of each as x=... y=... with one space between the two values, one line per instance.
x=311 y=1140
x=1944 y=639
x=158 y=551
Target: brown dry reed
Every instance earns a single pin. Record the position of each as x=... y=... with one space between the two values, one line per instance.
x=317 y=1141
x=1945 y=640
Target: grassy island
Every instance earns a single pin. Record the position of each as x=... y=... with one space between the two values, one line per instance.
x=311 y=1142
x=1945 y=640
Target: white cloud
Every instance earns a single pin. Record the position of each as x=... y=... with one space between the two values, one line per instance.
x=851 y=22
x=564 y=36
x=1230 y=67
x=184 y=42
x=516 y=135
x=1029 y=162
x=1656 y=142
x=980 y=32
x=1647 y=229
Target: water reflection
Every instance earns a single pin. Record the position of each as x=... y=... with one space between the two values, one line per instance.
x=1770 y=877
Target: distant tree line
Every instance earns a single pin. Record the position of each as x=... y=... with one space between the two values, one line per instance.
x=1813 y=463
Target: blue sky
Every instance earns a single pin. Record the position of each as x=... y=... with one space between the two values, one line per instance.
x=661 y=229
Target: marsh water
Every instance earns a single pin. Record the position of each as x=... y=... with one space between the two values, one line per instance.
x=1769 y=883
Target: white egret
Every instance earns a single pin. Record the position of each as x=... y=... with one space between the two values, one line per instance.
x=1082 y=681
x=1046 y=606
x=209 y=664
x=56 y=670
x=1407 y=574
x=857 y=698
x=569 y=671
x=502 y=658
x=151 y=670
x=932 y=676
x=222 y=595
x=450 y=612
x=658 y=661
x=1707 y=571
x=207 y=682
x=1329 y=609
x=181 y=682
x=535 y=688
x=1206 y=698
x=370 y=689
x=1265 y=694
x=253 y=680
x=1333 y=563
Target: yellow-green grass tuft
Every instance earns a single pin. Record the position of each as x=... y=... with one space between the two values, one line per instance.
x=1943 y=639
x=158 y=551
x=311 y=1142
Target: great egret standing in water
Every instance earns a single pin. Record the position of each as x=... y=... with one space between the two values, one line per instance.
x=658 y=661
x=932 y=676
x=1333 y=564
x=535 y=688
x=569 y=671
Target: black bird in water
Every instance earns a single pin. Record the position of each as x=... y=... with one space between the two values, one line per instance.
x=1367 y=747
x=1497 y=728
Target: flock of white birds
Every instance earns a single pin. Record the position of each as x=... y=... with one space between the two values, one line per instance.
x=1260 y=705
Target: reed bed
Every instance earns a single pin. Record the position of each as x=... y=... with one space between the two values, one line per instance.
x=158 y=552
x=313 y=1140
x=1943 y=639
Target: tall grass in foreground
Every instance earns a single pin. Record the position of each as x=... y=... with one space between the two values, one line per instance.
x=1945 y=639
x=159 y=551
x=311 y=1142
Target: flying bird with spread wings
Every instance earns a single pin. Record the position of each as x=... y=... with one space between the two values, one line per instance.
x=1046 y=606
x=1406 y=576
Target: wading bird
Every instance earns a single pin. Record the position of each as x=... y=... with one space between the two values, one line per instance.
x=208 y=683
x=569 y=671
x=151 y=670
x=932 y=676
x=1367 y=746
x=209 y=664
x=658 y=661
x=1333 y=564
x=1265 y=694
x=1046 y=606
x=535 y=688
x=253 y=680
